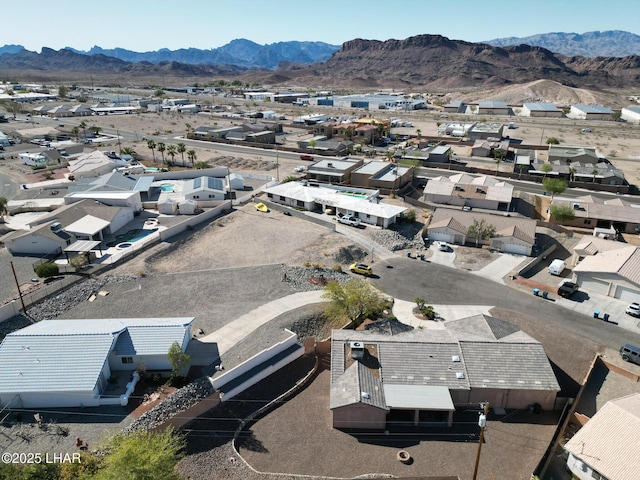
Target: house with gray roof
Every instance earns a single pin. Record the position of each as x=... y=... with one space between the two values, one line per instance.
x=492 y=107
x=69 y=363
x=511 y=234
x=423 y=376
x=381 y=175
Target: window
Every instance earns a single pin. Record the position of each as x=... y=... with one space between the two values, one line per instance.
x=300 y=203
x=127 y=360
x=587 y=222
x=597 y=476
x=282 y=199
x=269 y=195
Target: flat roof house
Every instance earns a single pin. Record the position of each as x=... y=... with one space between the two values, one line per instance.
x=483 y=131
x=68 y=363
x=381 y=175
x=358 y=202
x=333 y=170
x=393 y=371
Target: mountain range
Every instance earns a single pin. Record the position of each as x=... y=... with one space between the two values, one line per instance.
x=240 y=52
x=424 y=61
x=611 y=43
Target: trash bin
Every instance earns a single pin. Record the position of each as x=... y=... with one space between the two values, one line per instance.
x=596 y=314
x=536 y=291
x=606 y=317
x=545 y=294
x=408 y=254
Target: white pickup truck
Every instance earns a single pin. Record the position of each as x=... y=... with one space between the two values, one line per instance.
x=349 y=220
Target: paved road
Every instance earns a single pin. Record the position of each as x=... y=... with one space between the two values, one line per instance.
x=407 y=279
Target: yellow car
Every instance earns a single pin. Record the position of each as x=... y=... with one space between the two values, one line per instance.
x=361 y=268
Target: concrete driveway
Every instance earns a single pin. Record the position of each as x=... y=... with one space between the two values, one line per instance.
x=501 y=267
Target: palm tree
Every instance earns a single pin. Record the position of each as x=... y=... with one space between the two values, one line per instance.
x=171 y=151
x=181 y=149
x=572 y=173
x=129 y=151
x=152 y=146
x=83 y=126
x=75 y=131
x=3 y=207
x=418 y=133
x=96 y=130
x=188 y=127
x=192 y=155
x=161 y=148
x=594 y=172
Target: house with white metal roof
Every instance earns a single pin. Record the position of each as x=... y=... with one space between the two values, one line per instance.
x=590 y=112
x=425 y=375
x=68 y=363
x=604 y=447
x=358 y=202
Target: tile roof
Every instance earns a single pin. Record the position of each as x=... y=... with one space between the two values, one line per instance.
x=606 y=442
x=623 y=261
x=357 y=385
x=444 y=216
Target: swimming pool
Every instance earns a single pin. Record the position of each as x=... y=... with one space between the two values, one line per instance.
x=131 y=236
x=167 y=187
x=354 y=194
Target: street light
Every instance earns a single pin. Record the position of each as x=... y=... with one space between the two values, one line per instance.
x=482 y=423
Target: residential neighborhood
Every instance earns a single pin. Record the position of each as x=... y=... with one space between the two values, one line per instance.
x=221 y=228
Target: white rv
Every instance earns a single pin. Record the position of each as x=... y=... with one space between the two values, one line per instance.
x=33 y=159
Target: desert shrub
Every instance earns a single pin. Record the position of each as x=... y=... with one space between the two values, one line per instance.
x=47 y=270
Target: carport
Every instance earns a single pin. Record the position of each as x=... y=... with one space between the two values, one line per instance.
x=419 y=398
x=88 y=227
x=82 y=246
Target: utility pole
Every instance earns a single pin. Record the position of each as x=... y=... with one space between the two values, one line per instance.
x=482 y=423
x=24 y=309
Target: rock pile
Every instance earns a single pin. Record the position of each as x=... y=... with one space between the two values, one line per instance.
x=300 y=277
x=175 y=403
x=54 y=306
x=394 y=241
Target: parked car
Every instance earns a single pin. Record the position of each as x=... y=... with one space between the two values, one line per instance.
x=630 y=353
x=305 y=156
x=466 y=208
x=442 y=246
x=361 y=268
x=586 y=130
x=299 y=169
x=567 y=289
x=349 y=220
x=633 y=309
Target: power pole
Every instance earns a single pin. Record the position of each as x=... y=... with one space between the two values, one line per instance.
x=482 y=422
x=24 y=309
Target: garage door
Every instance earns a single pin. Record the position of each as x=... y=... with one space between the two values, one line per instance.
x=594 y=286
x=515 y=248
x=627 y=294
x=441 y=236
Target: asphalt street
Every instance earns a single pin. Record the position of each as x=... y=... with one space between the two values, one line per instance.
x=407 y=279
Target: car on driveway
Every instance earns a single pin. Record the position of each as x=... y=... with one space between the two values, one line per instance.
x=442 y=246
x=567 y=289
x=361 y=268
x=633 y=309
x=349 y=220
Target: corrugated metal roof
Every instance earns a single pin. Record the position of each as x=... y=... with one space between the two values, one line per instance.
x=39 y=363
x=592 y=108
x=607 y=442
x=68 y=355
x=541 y=107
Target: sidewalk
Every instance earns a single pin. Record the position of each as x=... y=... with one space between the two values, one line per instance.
x=227 y=336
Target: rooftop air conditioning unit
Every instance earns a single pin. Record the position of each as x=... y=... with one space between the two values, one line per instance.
x=357 y=350
x=56 y=227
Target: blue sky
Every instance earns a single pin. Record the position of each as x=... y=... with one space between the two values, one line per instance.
x=144 y=25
